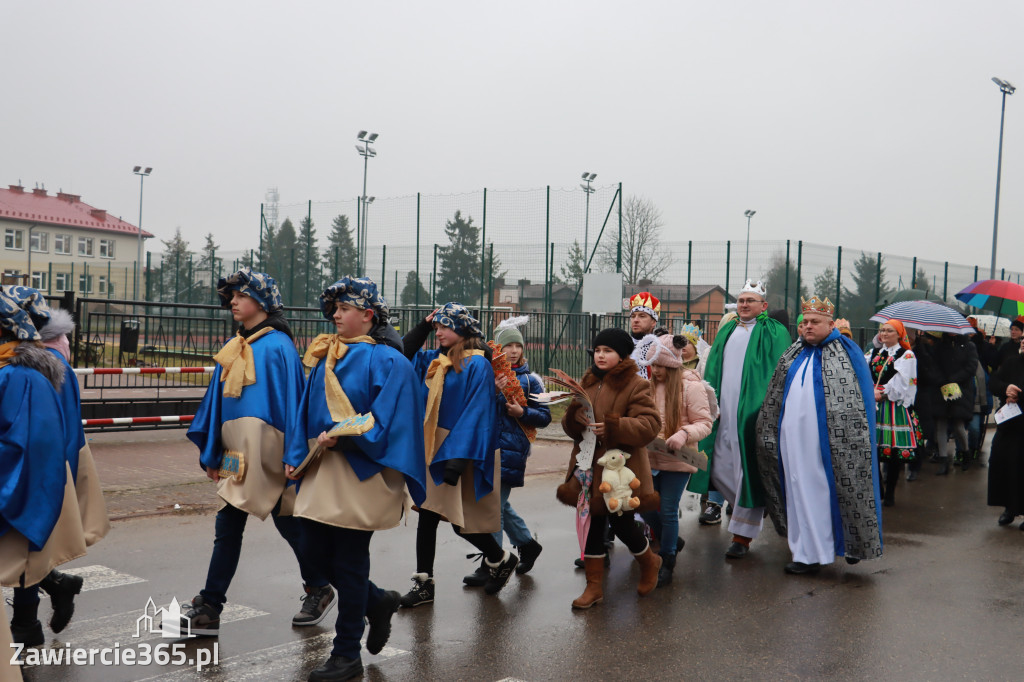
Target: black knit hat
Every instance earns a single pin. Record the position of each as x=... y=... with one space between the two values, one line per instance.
x=1018 y=324
x=616 y=339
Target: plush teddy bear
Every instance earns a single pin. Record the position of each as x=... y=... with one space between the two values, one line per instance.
x=618 y=482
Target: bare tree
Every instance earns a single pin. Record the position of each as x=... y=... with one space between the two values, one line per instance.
x=643 y=256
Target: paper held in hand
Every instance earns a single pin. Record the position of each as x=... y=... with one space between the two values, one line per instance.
x=1007 y=411
x=588 y=442
x=355 y=425
x=688 y=455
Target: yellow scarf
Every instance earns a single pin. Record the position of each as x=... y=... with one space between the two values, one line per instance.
x=7 y=352
x=333 y=347
x=239 y=368
x=435 y=387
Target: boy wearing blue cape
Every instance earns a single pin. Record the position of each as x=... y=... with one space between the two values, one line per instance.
x=816 y=447
x=240 y=430
x=354 y=484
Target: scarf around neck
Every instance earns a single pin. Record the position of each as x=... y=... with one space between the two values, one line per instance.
x=333 y=347
x=237 y=363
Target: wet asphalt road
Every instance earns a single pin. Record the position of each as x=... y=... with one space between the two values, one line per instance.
x=945 y=602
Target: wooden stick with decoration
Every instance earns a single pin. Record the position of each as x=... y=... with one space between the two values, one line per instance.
x=513 y=390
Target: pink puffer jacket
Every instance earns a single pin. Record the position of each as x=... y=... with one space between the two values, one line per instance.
x=694 y=419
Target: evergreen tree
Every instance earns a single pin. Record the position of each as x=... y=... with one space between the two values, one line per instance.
x=572 y=269
x=282 y=262
x=921 y=281
x=412 y=285
x=458 y=276
x=779 y=295
x=825 y=284
x=307 y=274
x=339 y=257
x=207 y=271
x=170 y=278
x=869 y=287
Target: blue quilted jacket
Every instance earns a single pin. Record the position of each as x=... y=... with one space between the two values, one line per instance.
x=515 y=446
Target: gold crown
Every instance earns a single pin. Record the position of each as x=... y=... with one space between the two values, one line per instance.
x=816 y=305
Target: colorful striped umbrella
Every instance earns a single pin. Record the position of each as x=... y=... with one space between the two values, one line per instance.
x=925 y=316
x=1002 y=298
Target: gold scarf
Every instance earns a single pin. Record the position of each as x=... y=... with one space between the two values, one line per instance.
x=237 y=362
x=7 y=352
x=435 y=387
x=333 y=347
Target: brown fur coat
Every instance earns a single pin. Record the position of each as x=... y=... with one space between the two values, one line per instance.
x=624 y=402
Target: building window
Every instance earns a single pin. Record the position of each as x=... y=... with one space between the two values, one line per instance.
x=39 y=279
x=14 y=239
x=62 y=281
x=85 y=284
x=102 y=284
x=62 y=244
x=39 y=242
x=85 y=246
x=106 y=248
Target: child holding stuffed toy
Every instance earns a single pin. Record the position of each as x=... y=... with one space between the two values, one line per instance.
x=519 y=424
x=625 y=418
x=686 y=417
x=460 y=440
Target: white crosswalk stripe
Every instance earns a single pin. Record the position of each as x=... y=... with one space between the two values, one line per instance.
x=95 y=577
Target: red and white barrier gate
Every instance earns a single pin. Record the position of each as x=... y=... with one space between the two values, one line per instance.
x=136 y=421
x=90 y=371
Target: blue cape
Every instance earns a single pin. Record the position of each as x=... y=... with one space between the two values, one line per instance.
x=71 y=406
x=469 y=410
x=274 y=398
x=867 y=389
x=32 y=455
x=377 y=379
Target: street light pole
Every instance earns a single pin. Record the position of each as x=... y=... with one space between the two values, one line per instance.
x=366 y=151
x=587 y=178
x=1007 y=89
x=746 y=256
x=138 y=260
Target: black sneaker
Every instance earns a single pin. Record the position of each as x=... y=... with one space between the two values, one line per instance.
x=528 y=554
x=337 y=668
x=199 y=618
x=477 y=578
x=315 y=605
x=62 y=589
x=501 y=573
x=379 y=620
x=422 y=591
x=29 y=635
x=711 y=516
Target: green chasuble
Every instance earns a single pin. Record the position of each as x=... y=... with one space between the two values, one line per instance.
x=768 y=341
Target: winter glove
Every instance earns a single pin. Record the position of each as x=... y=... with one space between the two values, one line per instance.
x=453 y=469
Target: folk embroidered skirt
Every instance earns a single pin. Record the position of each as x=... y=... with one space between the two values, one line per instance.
x=898 y=432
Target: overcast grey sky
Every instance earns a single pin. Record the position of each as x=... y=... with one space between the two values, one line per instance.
x=869 y=124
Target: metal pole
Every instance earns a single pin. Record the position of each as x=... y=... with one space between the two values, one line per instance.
x=483 y=250
x=913 y=275
x=618 y=253
x=799 y=267
x=945 y=281
x=261 y=237
x=547 y=233
x=689 y=269
x=999 y=174
x=586 y=221
x=383 y=267
x=728 y=255
x=308 y=265
x=839 y=277
x=417 y=287
x=490 y=279
x=359 y=232
x=366 y=167
x=878 y=277
x=138 y=259
x=746 y=255
x=433 y=289
x=785 y=294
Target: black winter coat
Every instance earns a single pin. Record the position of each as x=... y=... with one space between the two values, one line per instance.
x=951 y=360
x=515 y=446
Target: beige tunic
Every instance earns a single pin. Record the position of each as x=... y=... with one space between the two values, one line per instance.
x=331 y=493
x=458 y=505
x=263 y=480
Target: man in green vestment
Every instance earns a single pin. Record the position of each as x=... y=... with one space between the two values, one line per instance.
x=739 y=367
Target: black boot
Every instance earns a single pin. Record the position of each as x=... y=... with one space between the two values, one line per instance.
x=528 y=554
x=965 y=460
x=477 y=578
x=62 y=589
x=25 y=626
x=668 y=564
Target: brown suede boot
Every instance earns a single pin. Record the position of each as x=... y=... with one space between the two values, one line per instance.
x=594 y=593
x=649 y=565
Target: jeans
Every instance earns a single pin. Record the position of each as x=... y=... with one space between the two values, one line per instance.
x=716 y=497
x=942 y=428
x=974 y=432
x=665 y=524
x=227 y=548
x=511 y=523
x=343 y=554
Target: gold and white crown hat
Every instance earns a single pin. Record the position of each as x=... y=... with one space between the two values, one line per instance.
x=816 y=305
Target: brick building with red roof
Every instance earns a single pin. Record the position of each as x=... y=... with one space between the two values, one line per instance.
x=57 y=242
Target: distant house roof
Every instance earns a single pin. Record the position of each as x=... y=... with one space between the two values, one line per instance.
x=677 y=292
x=38 y=206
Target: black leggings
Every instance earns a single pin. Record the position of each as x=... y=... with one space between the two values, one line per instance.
x=623 y=527
x=426 y=542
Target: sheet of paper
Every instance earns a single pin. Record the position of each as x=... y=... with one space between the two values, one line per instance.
x=1007 y=411
x=689 y=455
